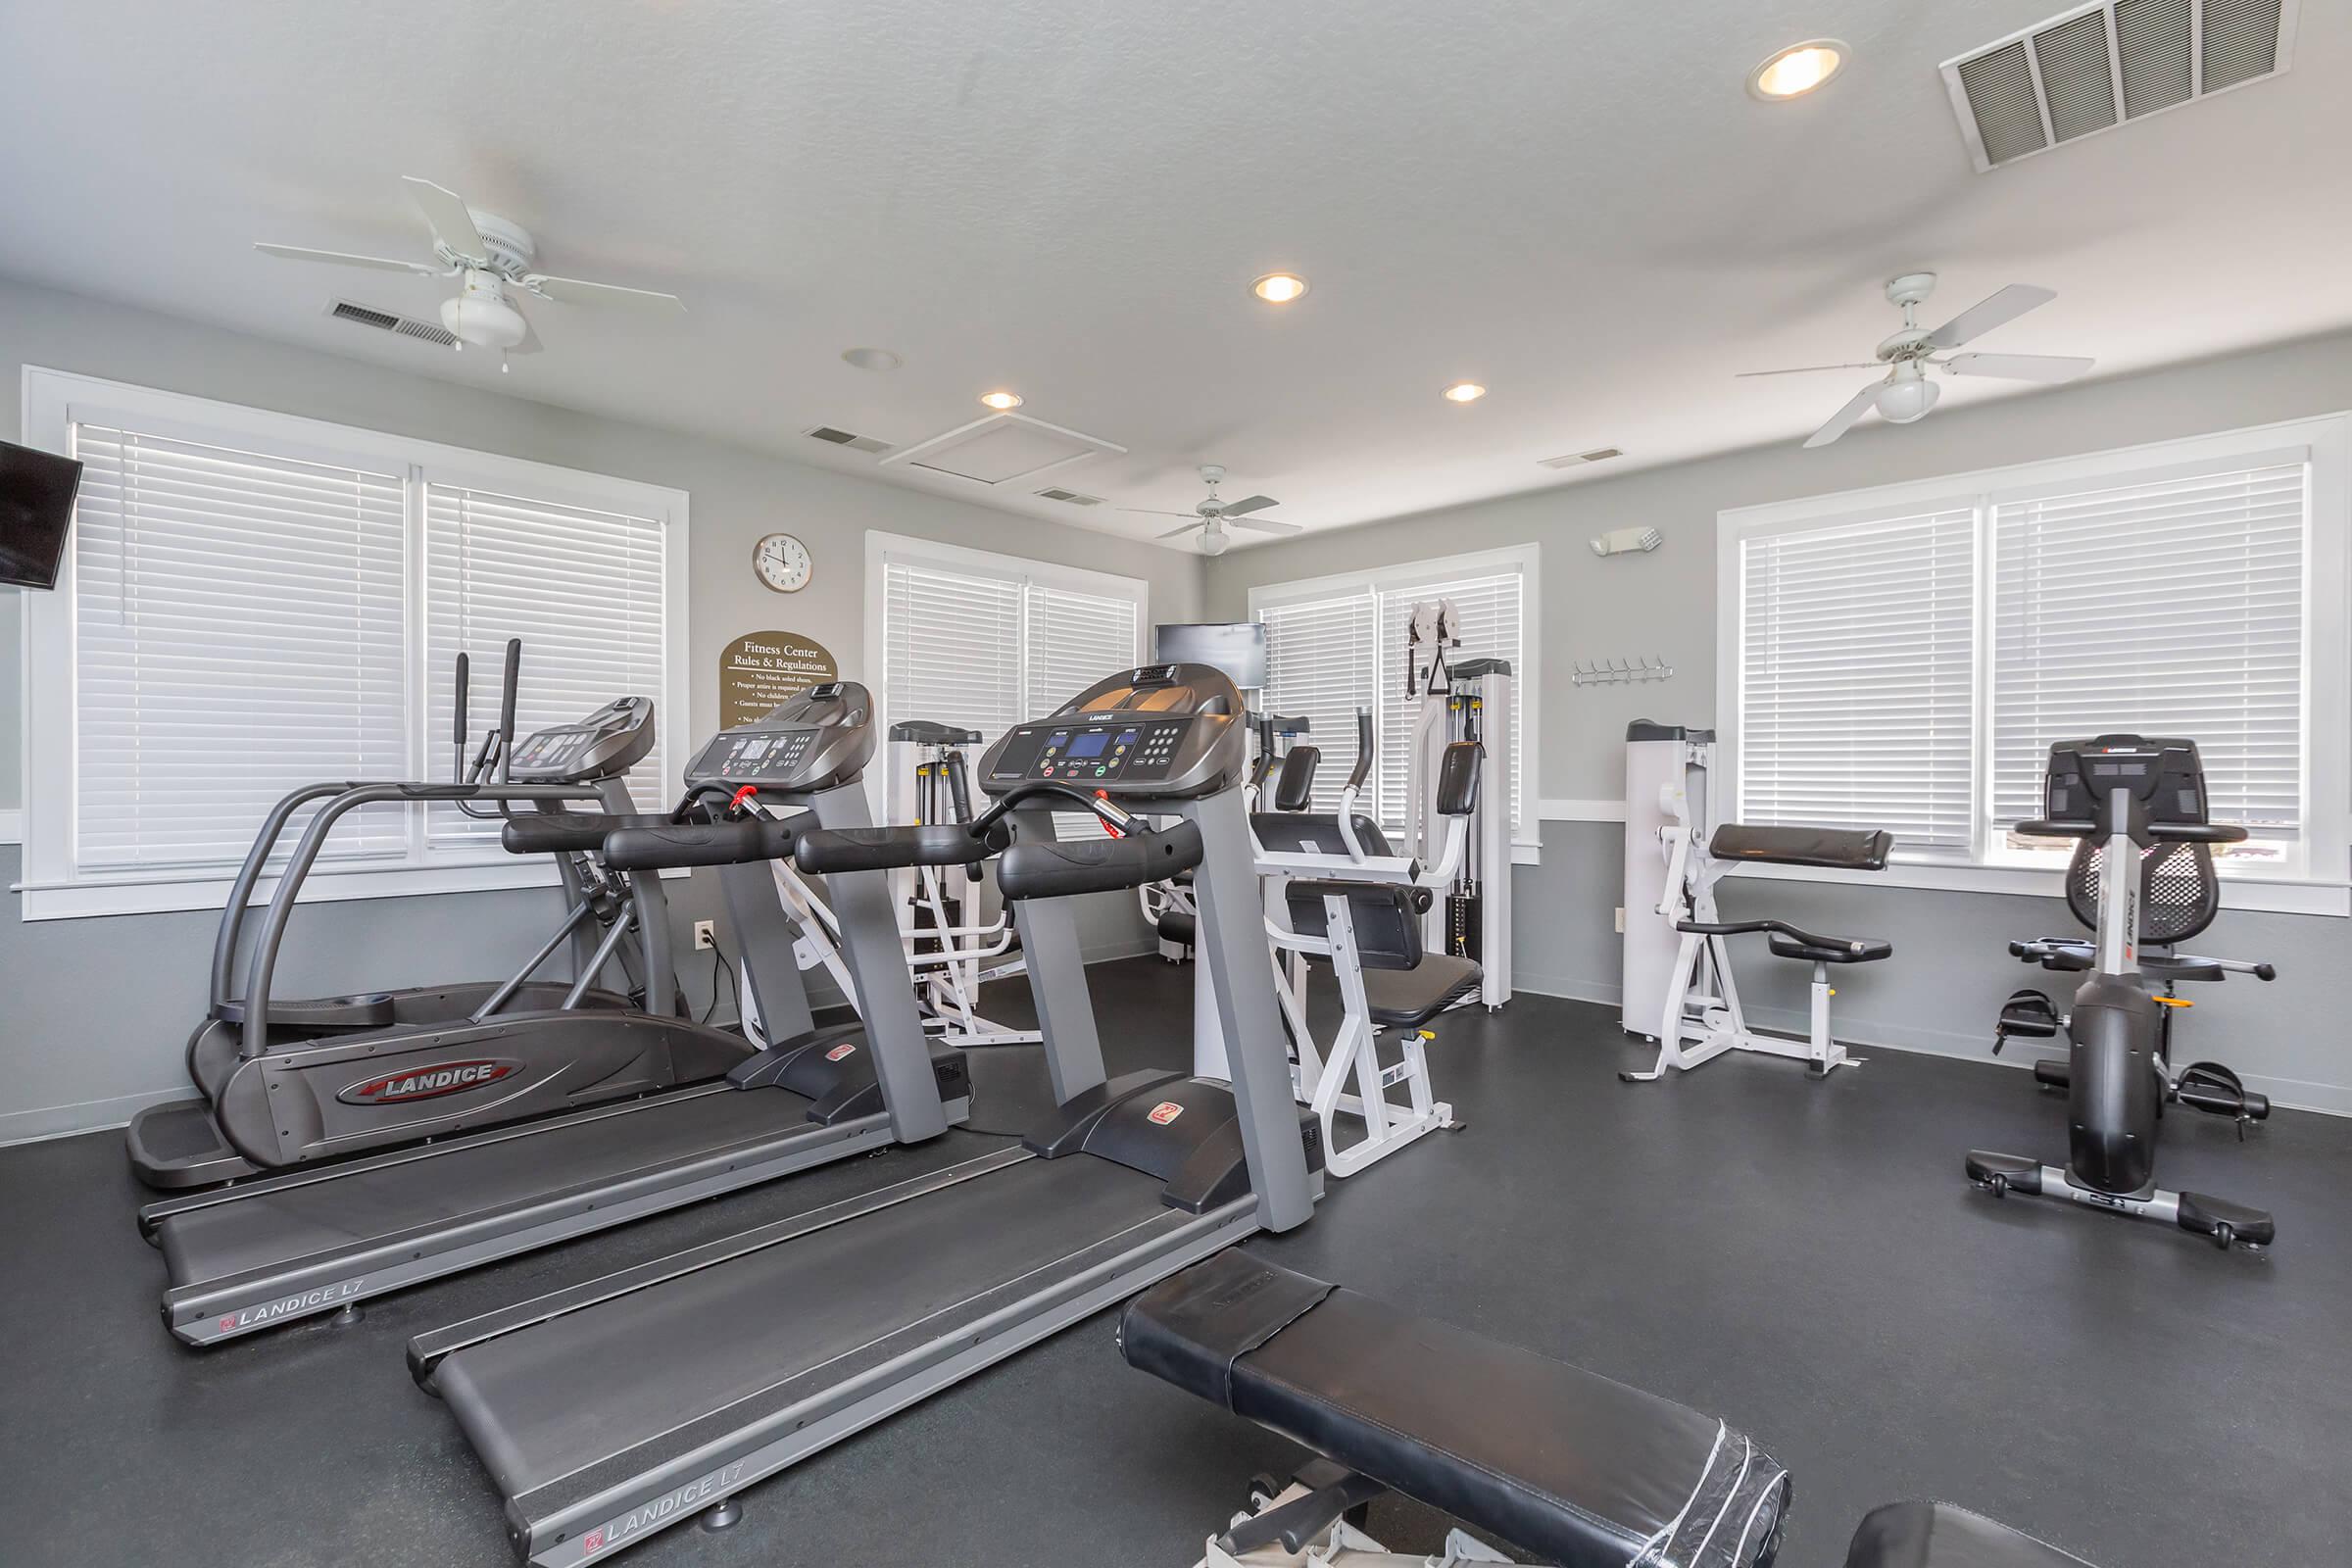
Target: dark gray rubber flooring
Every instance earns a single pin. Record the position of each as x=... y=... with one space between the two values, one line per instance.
x=1803 y=1259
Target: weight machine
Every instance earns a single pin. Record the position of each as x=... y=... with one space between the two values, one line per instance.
x=1467 y=700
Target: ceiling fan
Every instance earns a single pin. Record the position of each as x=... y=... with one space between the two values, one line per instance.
x=491 y=254
x=1905 y=393
x=1212 y=514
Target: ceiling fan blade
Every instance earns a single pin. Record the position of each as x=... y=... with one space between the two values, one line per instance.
x=303 y=253
x=1843 y=420
x=1803 y=369
x=2019 y=366
x=530 y=343
x=2002 y=306
x=1177 y=534
x=445 y=209
x=1254 y=503
x=1263 y=525
x=577 y=291
x=1154 y=512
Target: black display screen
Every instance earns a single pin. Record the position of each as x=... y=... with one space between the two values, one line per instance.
x=1090 y=743
x=36 y=507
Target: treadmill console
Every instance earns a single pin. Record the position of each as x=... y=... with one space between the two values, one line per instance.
x=817 y=741
x=1173 y=731
x=607 y=744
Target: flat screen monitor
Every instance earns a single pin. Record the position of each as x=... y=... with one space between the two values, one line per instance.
x=36 y=507
x=1235 y=647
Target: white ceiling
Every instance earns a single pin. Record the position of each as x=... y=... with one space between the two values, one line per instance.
x=1576 y=205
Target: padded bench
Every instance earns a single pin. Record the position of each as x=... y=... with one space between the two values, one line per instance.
x=1578 y=1469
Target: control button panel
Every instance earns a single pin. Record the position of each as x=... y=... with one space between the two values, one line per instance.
x=604 y=745
x=1119 y=749
x=756 y=757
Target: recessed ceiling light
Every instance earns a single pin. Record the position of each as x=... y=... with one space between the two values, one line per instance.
x=1002 y=399
x=872 y=359
x=1279 y=288
x=1464 y=392
x=1797 y=69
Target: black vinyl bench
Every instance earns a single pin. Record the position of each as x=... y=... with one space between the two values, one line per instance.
x=1578 y=1469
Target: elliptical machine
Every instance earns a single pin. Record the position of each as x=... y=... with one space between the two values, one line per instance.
x=2126 y=797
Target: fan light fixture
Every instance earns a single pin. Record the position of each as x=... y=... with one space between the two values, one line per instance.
x=1464 y=392
x=1001 y=401
x=1797 y=69
x=1908 y=394
x=1279 y=288
x=1215 y=541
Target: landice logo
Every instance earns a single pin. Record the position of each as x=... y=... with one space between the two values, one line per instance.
x=667 y=1508
x=428 y=1083
x=1167 y=1112
x=295 y=1305
x=841 y=1051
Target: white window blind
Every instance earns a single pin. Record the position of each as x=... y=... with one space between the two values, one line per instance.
x=989 y=641
x=1857 y=671
x=1074 y=640
x=952 y=648
x=1320 y=665
x=583 y=588
x=2172 y=606
x=1489 y=619
x=237 y=632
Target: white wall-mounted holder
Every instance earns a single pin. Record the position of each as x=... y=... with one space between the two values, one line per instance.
x=1621 y=671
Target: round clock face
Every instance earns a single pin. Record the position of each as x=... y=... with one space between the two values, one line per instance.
x=782 y=563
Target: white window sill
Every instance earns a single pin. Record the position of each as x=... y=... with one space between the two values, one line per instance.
x=2269 y=895
x=95 y=898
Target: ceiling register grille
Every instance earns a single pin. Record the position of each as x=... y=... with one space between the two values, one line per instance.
x=386 y=321
x=2096 y=67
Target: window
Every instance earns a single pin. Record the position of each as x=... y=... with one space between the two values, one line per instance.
x=254 y=601
x=987 y=641
x=1903 y=658
x=1335 y=644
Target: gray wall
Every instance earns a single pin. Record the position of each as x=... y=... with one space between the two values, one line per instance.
x=1951 y=969
x=94 y=1014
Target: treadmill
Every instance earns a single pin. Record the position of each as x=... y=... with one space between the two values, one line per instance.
x=322 y=1238
x=181 y=1145
x=777 y=1342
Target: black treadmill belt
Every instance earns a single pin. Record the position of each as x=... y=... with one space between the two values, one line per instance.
x=273 y=1228
x=554 y=1399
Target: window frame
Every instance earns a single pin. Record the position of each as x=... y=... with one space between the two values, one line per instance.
x=882 y=548
x=54 y=888
x=1527 y=836
x=2318 y=878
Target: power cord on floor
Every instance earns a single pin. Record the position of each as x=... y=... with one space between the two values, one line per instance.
x=720 y=963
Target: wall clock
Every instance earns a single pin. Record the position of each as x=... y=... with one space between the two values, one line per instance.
x=782 y=563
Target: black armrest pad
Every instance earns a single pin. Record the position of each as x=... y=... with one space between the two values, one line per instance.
x=1579 y=1470
x=827 y=850
x=1837 y=848
x=684 y=844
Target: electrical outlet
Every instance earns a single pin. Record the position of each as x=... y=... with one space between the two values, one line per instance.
x=706 y=933
x=1621 y=920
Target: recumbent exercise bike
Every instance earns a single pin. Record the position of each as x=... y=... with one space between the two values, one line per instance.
x=2143 y=873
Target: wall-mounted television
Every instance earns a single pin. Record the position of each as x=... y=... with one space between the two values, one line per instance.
x=36 y=508
x=1235 y=647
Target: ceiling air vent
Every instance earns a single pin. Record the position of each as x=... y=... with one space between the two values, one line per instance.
x=385 y=321
x=844 y=438
x=1576 y=459
x=1072 y=497
x=2097 y=66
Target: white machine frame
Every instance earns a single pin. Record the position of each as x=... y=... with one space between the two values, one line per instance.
x=1343 y=1545
x=1690 y=1002
x=1323 y=1076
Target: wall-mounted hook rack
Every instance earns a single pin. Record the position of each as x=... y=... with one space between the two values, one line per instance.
x=1621 y=671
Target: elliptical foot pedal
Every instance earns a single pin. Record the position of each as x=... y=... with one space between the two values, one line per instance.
x=2226 y=1224
x=2002 y=1174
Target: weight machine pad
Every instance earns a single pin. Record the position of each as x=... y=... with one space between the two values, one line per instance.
x=1407 y=999
x=1576 y=1469
x=1841 y=848
x=1853 y=950
x=1936 y=1534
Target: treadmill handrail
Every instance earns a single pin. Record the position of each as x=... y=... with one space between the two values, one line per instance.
x=297 y=870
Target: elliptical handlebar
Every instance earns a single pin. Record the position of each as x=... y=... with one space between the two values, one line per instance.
x=506 y=708
x=457 y=721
